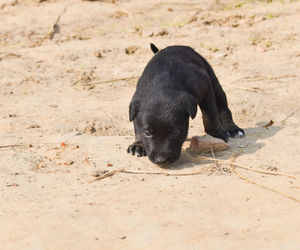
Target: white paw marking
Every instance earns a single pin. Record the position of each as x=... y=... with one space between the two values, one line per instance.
x=239 y=134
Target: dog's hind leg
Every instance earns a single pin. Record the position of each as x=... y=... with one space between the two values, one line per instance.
x=225 y=115
x=210 y=116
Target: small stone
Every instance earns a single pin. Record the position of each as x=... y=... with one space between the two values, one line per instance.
x=98 y=54
x=34 y=126
x=164 y=32
x=13 y=185
x=68 y=163
x=131 y=50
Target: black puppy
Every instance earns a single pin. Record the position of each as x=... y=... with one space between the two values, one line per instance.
x=174 y=82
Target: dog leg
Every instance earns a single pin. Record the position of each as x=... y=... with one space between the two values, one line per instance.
x=137 y=147
x=225 y=115
x=210 y=116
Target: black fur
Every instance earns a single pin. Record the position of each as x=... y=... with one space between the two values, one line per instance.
x=154 y=48
x=174 y=82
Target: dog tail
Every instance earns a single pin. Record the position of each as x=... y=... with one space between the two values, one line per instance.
x=154 y=48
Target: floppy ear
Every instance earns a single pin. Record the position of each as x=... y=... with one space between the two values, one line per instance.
x=133 y=108
x=190 y=103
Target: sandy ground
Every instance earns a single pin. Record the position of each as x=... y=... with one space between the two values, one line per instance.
x=64 y=117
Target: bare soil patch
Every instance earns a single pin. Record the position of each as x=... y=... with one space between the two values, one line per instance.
x=68 y=71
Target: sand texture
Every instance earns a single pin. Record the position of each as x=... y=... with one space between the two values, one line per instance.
x=68 y=70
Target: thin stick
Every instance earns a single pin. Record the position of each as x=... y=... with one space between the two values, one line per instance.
x=110 y=80
x=233 y=158
x=265 y=187
x=130 y=14
x=11 y=146
x=257 y=106
x=234 y=155
x=213 y=155
x=241 y=166
x=142 y=172
x=12 y=45
x=231 y=164
x=191 y=173
x=290 y=115
x=162 y=173
x=106 y=175
x=176 y=3
x=251 y=79
x=243 y=88
x=55 y=29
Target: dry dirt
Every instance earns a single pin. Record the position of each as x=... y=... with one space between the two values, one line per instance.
x=64 y=118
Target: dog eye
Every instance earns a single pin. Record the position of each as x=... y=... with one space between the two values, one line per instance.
x=147 y=133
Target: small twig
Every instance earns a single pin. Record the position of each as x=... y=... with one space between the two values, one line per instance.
x=116 y=79
x=106 y=175
x=213 y=155
x=243 y=167
x=162 y=173
x=194 y=17
x=251 y=79
x=281 y=77
x=270 y=123
x=55 y=29
x=176 y=3
x=290 y=115
x=257 y=105
x=110 y=80
x=233 y=158
x=265 y=187
x=234 y=155
x=11 y=46
x=142 y=172
x=85 y=78
x=11 y=146
x=135 y=23
x=255 y=89
x=231 y=163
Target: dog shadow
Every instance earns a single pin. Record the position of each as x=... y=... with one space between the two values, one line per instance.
x=252 y=142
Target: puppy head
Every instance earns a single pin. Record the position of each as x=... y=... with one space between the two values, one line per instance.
x=162 y=123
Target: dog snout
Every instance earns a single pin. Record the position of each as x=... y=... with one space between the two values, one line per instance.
x=164 y=159
x=160 y=160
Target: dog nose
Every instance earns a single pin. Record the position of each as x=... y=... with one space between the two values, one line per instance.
x=161 y=159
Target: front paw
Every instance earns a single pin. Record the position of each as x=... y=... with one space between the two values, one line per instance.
x=235 y=132
x=136 y=148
